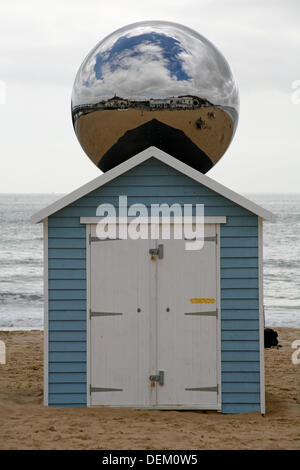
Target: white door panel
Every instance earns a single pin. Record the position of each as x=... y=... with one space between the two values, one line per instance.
x=186 y=345
x=120 y=329
x=175 y=330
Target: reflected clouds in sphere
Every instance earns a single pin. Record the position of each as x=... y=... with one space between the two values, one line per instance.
x=155 y=83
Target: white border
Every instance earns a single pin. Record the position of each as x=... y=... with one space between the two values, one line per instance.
x=46 y=311
x=261 y=317
x=88 y=321
x=207 y=220
x=168 y=160
x=219 y=331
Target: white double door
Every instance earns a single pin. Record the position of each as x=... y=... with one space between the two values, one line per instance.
x=153 y=323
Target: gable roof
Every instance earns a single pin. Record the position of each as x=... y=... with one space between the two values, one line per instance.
x=168 y=160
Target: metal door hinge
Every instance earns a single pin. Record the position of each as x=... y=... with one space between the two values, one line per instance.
x=159 y=251
x=103 y=314
x=211 y=239
x=96 y=239
x=205 y=239
x=160 y=378
x=104 y=389
x=213 y=313
x=204 y=389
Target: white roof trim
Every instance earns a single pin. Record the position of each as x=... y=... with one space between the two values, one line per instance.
x=147 y=220
x=168 y=160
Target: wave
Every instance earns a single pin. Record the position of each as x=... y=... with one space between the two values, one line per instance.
x=6 y=297
x=282 y=263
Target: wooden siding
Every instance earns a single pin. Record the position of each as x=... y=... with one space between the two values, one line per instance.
x=155 y=182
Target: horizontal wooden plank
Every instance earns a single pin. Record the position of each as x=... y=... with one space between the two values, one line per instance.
x=70 y=233
x=64 y=398
x=67 y=325
x=67 y=284
x=67 y=243
x=240 y=366
x=239 y=242
x=232 y=293
x=239 y=273
x=57 y=274
x=238 y=335
x=240 y=387
x=239 y=283
x=238 y=356
x=233 y=252
x=74 y=294
x=67 y=315
x=238 y=231
x=67 y=388
x=225 y=210
x=73 y=211
x=67 y=304
x=67 y=346
x=239 y=263
x=239 y=304
x=78 y=367
x=75 y=264
x=240 y=408
x=67 y=377
x=67 y=356
x=242 y=221
x=245 y=377
x=65 y=253
x=163 y=180
x=151 y=168
x=240 y=345
x=213 y=200
x=239 y=325
x=67 y=336
x=239 y=314
x=148 y=191
x=240 y=398
x=73 y=222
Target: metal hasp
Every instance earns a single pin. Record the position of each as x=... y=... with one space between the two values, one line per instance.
x=160 y=378
x=159 y=251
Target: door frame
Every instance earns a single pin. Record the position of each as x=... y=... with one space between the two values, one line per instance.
x=88 y=222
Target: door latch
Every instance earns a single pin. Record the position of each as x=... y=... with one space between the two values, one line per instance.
x=160 y=378
x=159 y=251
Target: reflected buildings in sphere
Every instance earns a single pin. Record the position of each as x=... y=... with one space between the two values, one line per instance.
x=155 y=83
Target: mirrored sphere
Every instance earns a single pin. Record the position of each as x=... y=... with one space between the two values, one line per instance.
x=155 y=83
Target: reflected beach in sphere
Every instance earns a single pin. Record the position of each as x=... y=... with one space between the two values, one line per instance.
x=155 y=83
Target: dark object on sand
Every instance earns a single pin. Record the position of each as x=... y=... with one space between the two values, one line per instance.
x=200 y=123
x=270 y=338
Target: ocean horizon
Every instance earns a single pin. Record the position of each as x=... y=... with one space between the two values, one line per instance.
x=21 y=260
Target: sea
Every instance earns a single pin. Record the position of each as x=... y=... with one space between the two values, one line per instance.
x=21 y=260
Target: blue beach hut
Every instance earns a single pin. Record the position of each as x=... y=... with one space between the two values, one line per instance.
x=147 y=323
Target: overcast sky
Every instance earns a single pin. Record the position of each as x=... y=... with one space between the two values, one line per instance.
x=43 y=43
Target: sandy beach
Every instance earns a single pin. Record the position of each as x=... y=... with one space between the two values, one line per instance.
x=27 y=424
x=109 y=125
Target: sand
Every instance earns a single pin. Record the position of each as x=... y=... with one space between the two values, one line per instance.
x=26 y=424
x=99 y=130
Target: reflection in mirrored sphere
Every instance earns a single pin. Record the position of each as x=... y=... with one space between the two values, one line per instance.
x=155 y=83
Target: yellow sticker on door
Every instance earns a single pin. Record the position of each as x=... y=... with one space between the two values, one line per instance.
x=203 y=301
